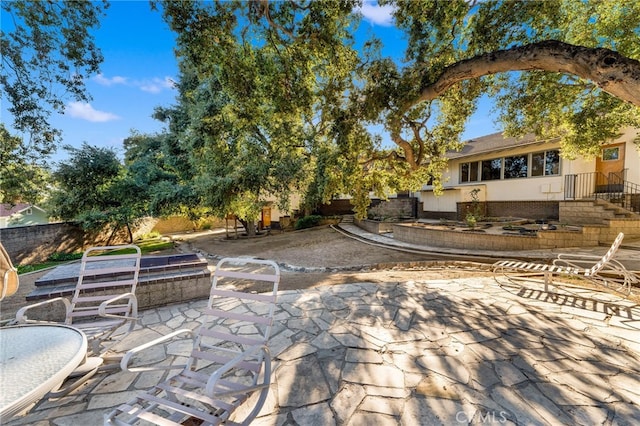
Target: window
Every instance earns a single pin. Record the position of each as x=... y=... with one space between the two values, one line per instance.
x=492 y=169
x=515 y=167
x=469 y=172
x=611 y=154
x=28 y=212
x=545 y=163
x=552 y=163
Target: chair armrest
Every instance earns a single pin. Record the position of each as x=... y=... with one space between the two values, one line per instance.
x=576 y=261
x=21 y=318
x=615 y=267
x=217 y=375
x=124 y=363
x=102 y=309
x=586 y=257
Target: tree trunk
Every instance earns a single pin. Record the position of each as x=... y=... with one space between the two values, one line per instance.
x=130 y=233
x=113 y=233
x=249 y=227
x=610 y=71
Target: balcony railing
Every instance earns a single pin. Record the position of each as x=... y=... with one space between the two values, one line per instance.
x=612 y=187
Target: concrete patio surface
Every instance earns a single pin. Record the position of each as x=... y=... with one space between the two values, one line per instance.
x=450 y=351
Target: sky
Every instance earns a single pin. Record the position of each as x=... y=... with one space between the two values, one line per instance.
x=139 y=69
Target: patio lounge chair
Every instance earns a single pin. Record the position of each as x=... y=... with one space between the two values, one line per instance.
x=229 y=364
x=103 y=306
x=600 y=270
x=8 y=275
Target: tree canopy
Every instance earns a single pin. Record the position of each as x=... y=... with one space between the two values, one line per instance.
x=20 y=179
x=291 y=78
x=262 y=92
x=48 y=53
x=278 y=97
x=94 y=189
x=556 y=68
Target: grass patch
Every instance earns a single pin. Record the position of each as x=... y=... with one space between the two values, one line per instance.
x=146 y=247
x=24 y=269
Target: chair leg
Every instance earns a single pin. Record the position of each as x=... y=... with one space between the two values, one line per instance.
x=86 y=371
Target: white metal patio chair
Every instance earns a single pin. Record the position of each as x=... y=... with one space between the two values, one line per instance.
x=103 y=306
x=600 y=270
x=229 y=364
x=9 y=281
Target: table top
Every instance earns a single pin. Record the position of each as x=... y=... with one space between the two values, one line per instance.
x=34 y=359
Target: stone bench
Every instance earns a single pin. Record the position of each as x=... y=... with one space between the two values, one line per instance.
x=162 y=280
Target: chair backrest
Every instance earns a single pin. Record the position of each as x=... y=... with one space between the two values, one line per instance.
x=239 y=313
x=607 y=256
x=8 y=275
x=102 y=276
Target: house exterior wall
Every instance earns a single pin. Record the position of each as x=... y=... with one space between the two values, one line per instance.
x=27 y=217
x=505 y=193
x=632 y=155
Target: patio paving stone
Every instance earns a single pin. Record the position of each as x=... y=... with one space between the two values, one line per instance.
x=422 y=352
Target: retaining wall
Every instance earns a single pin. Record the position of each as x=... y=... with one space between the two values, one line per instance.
x=373 y=226
x=162 y=280
x=587 y=236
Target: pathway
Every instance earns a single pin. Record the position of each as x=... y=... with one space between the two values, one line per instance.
x=417 y=353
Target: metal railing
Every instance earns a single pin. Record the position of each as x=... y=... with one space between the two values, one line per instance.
x=611 y=187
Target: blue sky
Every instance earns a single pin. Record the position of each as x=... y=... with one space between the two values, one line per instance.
x=139 y=67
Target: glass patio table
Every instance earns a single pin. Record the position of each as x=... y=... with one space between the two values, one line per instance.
x=34 y=359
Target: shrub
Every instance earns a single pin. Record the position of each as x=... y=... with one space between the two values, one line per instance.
x=63 y=257
x=308 y=221
x=151 y=235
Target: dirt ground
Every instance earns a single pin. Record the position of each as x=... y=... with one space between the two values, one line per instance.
x=305 y=253
x=346 y=260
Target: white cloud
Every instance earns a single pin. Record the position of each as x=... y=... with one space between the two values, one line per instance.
x=377 y=15
x=156 y=85
x=85 y=111
x=104 y=81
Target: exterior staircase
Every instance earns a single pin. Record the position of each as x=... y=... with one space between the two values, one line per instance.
x=347 y=218
x=593 y=212
x=611 y=190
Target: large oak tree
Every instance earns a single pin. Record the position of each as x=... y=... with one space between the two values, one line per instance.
x=558 y=68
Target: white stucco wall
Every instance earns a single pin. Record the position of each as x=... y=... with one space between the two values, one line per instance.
x=444 y=203
x=631 y=155
x=541 y=188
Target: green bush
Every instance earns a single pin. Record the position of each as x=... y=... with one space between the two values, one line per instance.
x=151 y=235
x=64 y=257
x=308 y=221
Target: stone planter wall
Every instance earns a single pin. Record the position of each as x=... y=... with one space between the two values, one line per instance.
x=587 y=236
x=374 y=226
x=162 y=280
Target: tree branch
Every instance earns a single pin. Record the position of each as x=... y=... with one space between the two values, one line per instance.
x=614 y=73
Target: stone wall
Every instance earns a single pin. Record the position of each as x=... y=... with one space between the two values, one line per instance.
x=548 y=210
x=394 y=208
x=335 y=208
x=586 y=236
x=585 y=212
x=29 y=244
x=374 y=226
x=35 y=243
x=182 y=224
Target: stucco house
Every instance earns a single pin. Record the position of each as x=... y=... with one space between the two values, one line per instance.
x=529 y=178
x=22 y=214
